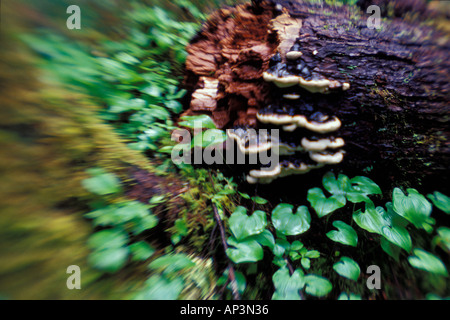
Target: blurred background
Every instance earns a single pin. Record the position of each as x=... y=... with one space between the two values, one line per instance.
x=57 y=87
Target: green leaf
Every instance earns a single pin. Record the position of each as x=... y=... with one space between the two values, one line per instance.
x=347 y=268
x=356 y=197
x=426 y=261
x=201 y=121
x=102 y=183
x=141 y=251
x=443 y=238
x=259 y=200
x=288 y=223
x=244 y=195
x=181 y=227
x=317 y=286
x=126 y=58
x=415 y=208
x=322 y=205
x=110 y=259
x=296 y=245
x=365 y=185
x=158 y=287
x=398 y=235
x=281 y=246
x=371 y=219
x=306 y=263
x=345 y=234
x=110 y=238
x=312 y=254
x=265 y=238
x=336 y=186
x=243 y=226
x=131 y=210
x=174 y=106
x=144 y=223
x=349 y=296
x=248 y=250
x=441 y=201
x=286 y=286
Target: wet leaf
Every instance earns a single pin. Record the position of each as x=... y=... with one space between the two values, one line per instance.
x=426 y=261
x=441 y=201
x=323 y=205
x=347 y=268
x=244 y=251
x=414 y=207
x=288 y=223
x=243 y=226
x=286 y=286
x=345 y=234
x=317 y=286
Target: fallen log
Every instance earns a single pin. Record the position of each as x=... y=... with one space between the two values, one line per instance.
x=298 y=66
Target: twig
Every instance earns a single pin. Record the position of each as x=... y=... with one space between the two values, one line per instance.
x=231 y=274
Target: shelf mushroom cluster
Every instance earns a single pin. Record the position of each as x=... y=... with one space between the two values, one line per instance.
x=252 y=69
x=308 y=135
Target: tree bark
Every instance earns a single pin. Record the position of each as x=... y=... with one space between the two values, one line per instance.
x=395 y=112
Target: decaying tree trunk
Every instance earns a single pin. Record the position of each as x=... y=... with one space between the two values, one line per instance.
x=388 y=87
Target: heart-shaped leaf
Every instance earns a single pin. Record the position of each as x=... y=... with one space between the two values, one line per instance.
x=345 y=234
x=398 y=236
x=415 y=208
x=336 y=186
x=385 y=223
x=317 y=286
x=364 y=185
x=243 y=226
x=426 y=261
x=371 y=219
x=347 y=268
x=213 y=137
x=286 y=286
x=312 y=254
x=288 y=223
x=441 y=201
x=443 y=238
x=141 y=251
x=323 y=205
x=248 y=250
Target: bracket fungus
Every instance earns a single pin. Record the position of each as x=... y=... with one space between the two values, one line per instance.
x=234 y=84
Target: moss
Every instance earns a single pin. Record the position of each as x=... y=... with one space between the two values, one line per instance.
x=49 y=136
